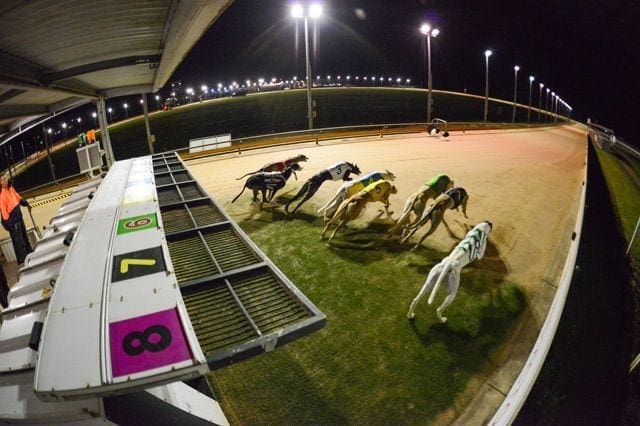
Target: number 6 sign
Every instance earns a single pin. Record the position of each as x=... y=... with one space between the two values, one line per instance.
x=147 y=342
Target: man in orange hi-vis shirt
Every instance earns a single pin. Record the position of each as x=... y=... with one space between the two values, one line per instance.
x=10 y=202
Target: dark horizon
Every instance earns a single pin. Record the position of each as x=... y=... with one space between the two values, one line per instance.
x=561 y=45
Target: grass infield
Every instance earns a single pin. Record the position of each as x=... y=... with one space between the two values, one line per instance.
x=369 y=364
x=625 y=196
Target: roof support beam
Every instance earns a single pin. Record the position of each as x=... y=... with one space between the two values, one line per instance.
x=52 y=77
x=16 y=111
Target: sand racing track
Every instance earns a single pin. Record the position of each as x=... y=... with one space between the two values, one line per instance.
x=527 y=182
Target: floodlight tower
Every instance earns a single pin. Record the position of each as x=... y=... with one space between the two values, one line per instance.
x=531 y=78
x=429 y=32
x=313 y=11
x=540 y=103
x=487 y=53
x=515 y=91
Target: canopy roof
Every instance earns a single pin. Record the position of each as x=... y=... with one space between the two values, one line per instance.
x=59 y=54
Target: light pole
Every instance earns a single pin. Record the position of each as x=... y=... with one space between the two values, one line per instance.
x=126 y=109
x=540 y=103
x=79 y=120
x=110 y=111
x=205 y=90
x=313 y=11
x=95 y=118
x=429 y=32
x=515 y=91
x=531 y=78
x=546 y=105
x=158 y=101
x=189 y=92
x=487 y=53
x=64 y=128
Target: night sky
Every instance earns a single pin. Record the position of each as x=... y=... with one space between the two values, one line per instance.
x=583 y=50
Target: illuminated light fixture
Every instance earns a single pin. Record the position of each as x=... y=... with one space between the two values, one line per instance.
x=315 y=11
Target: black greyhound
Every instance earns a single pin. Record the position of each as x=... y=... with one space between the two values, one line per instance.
x=336 y=172
x=268 y=182
x=278 y=166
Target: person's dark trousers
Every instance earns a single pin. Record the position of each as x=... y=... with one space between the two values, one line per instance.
x=19 y=237
x=4 y=289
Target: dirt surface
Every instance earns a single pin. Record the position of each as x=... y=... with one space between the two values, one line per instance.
x=525 y=181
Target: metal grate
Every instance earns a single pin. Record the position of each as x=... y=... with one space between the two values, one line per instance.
x=181 y=176
x=239 y=303
x=220 y=322
x=205 y=213
x=229 y=250
x=190 y=191
x=168 y=196
x=163 y=180
x=191 y=260
x=176 y=219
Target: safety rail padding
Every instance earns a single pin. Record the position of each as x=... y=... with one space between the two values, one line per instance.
x=515 y=399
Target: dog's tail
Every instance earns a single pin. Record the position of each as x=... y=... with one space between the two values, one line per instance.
x=243 y=188
x=443 y=274
x=247 y=174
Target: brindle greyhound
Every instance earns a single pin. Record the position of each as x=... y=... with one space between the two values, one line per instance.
x=338 y=171
x=268 y=182
x=278 y=166
x=452 y=199
x=471 y=248
x=352 y=207
x=349 y=189
x=418 y=201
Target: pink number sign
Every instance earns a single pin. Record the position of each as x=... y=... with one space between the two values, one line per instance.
x=147 y=342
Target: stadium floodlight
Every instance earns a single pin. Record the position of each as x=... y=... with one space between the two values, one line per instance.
x=531 y=78
x=515 y=91
x=313 y=11
x=428 y=31
x=126 y=109
x=487 y=53
x=541 y=85
x=546 y=105
x=297 y=11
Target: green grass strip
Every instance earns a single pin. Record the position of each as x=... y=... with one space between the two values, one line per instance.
x=625 y=196
x=369 y=365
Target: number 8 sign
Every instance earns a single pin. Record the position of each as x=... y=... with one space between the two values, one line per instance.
x=147 y=342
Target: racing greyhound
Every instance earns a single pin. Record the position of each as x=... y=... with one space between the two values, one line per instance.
x=471 y=248
x=353 y=206
x=418 y=201
x=278 y=166
x=338 y=171
x=268 y=182
x=451 y=199
x=349 y=189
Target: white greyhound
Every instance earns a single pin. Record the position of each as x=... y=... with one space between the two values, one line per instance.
x=471 y=248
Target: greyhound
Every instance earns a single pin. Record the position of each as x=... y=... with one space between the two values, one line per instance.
x=351 y=208
x=418 y=201
x=451 y=199
x=338 y=171
x=268 y=182
x=471 y=248
x=349 y=189
x=278 y=166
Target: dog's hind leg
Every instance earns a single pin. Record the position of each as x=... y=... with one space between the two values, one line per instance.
x=426 y=288
x=454 y=284
x=312 y=189
x=436 y=218
x=300 y=193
